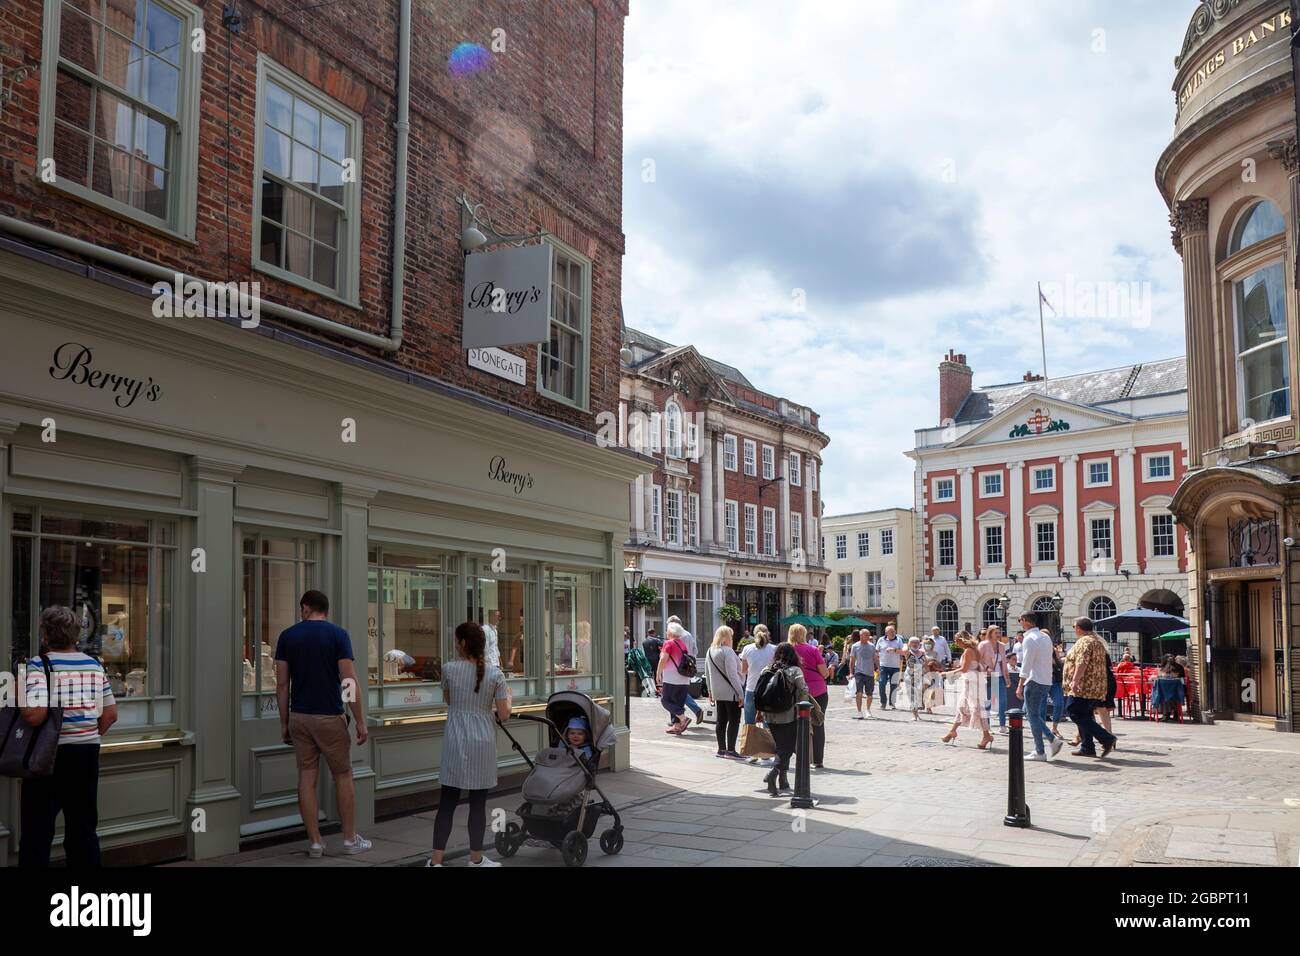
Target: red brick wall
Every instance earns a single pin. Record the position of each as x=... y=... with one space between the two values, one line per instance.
x=537 y=137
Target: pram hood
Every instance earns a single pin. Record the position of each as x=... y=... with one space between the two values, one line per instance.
x=565 y=704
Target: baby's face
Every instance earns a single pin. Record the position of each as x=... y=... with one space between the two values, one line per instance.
x=577 y=737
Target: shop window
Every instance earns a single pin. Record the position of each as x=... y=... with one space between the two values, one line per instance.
x=563 y=358
x=704 y=609
x=500 y=603
x=573 y=634
x=307 y=191
x=119 y=103
x=116 y=574
x=407 y=621
x=678 y=599
x=276 y=572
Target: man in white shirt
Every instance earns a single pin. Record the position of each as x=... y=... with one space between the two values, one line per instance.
x=1035 y=655
x=941 y=647
x=688 y=639
x=492 y=649
x=890 y=649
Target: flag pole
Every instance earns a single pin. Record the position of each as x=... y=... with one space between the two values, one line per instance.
x=1042 y=335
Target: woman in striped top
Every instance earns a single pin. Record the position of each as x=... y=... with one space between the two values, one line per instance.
x=81 y=688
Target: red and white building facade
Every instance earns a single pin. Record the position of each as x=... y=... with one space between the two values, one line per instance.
x=1041 y=487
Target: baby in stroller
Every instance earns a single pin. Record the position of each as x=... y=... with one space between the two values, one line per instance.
x=579 y=737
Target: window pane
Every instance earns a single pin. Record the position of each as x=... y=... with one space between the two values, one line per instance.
x=333 y=138
x=1261 y=307
x=114 y=118
x=111 y=172
x=275 y=153
x=1263 y=220
x=272 y=200
x=306 y=123
x=279 y=107
x=150 y=140
x=323 y=267
x=298 y=255
x=21 y=582
x=280 y=547
x=499 y=607
x=121 y=64
x=272 y=250
x=162 y=84
x=124 y=15
x=412 y=624
x=80 y=527
x=280 y=591
x=297 y=211
x=78 y=38
x=1266 y=383
x=327 y=225
x=162 y=33
x=71 y=154
x=149 y=189
x=304 y=166
x=72 y=99
x=331 y=181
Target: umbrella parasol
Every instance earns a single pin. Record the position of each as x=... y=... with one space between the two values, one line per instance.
x=1142 y=621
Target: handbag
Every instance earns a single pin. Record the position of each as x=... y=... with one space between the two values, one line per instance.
x=740 y=697
x=756 y=741
x=27 y=751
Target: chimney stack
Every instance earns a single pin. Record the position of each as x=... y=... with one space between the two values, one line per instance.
x=954 y=385
x=1032 y=377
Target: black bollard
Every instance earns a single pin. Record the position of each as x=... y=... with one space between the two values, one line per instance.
x=1017 y=809
x=802 y=784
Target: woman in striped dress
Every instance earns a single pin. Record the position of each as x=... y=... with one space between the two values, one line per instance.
x=472 y=691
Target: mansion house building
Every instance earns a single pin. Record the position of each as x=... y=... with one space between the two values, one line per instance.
x=1051 y=486
x=731 y=512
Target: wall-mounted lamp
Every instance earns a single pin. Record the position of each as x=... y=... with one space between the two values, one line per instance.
x=1125 y=572
x=766 y=484
x=961 y=578
x=476 y=229
x=1066 y=575
x=1014 y=577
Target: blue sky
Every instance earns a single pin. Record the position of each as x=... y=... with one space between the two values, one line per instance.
x=830 y=195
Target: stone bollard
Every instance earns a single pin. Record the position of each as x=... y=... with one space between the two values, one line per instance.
x=1017 y=809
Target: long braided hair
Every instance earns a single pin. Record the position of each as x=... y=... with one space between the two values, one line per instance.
x=472 y=639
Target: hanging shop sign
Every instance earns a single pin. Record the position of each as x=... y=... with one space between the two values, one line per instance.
x=1039 y=423
x=501 y=364
x=507 y=297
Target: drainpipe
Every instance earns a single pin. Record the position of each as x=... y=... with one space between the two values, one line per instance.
x=389 y=343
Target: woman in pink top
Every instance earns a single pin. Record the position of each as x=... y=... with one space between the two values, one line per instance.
x=815 y=673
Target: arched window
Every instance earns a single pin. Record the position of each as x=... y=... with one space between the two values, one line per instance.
x=991 y=614
x=1049 y=619
x=945 y=616
x=1102 y=607
x=1255 y=224
x=673 y=425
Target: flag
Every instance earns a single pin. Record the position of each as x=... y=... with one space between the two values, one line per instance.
x=1044 y=299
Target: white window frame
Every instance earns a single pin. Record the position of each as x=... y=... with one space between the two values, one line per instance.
x=769 y=463
x=939 y=532
x=731 y=525
x=656 y=511
x=751 y=529
x=796 y=531
x=673 y=517
x=349 y=264
x=1039 y=561
x=673 y=429
x=1173 y=534
x=1033 y=479
x=812 y=474
x=581 y=373
x=693 y=520
x=936 y=483
x=769 y=531
x=692 y=441
x=878 y=592
x=984 y=492
x=1088 y=481
x=841 y=547
x=1094 y=521
x=796 y=469
x=729 y=452
x=751 y=457
x=1152 y=508
x=1001 y=559
x=846 y=590
x=1149 y=457
x=182 y=205
x=1260 y=261
x=886 y=541
x=864 y=544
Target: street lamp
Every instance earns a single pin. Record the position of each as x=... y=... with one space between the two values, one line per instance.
x=1004 y=603
x=1058 y=602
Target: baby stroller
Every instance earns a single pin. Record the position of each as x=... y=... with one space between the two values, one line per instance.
x=639 y=664
x=558 y=810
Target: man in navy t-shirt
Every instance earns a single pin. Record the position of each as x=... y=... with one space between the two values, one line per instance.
x=314 y=676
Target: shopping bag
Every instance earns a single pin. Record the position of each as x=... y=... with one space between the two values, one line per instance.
x=851 y=689
x=756 y=741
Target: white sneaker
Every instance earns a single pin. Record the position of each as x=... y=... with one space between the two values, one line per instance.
x=429 y=863
x=316 y=850
x=1057 y=744
x=359 y=845
x=484 y=862
x=1036 y=756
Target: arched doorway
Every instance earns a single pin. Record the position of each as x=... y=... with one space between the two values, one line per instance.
x=1169 y=602
x=1049 y=618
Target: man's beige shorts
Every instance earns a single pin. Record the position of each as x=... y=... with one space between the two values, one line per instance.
x=316 y=734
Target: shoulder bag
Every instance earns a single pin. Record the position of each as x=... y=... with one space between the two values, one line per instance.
x=740 y=696
x=27 y=751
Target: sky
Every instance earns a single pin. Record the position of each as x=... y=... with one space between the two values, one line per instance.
x=830 y=195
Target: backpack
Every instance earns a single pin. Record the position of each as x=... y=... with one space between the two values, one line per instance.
x=773 y=693
x=686 y=664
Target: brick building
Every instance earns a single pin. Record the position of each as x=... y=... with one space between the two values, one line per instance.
x=180 y=480
x=731 y=511
x=1043 y=487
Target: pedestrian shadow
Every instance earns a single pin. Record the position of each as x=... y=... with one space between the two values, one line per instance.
x=1093 y=766
x=1122 y=762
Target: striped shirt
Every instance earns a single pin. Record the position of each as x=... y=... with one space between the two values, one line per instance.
x=81 y=688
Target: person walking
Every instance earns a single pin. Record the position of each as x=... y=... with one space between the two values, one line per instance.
x=314 y=674
x=1103 y=712
x=784 y=723
x=972 y=711
x=1035 y=683
x=474 y=691
x=993 y=655
x=689 y=640
x=651 y=647
x=941 y=647
x=889 y=648
x=815 y=673
x=934 y=668
x=753 y=659
x=862 y=664
x=81 y=688
x=1086 y=667
x=1058 y=691
x=673 y=681
x=914 y=677
x=726 y=690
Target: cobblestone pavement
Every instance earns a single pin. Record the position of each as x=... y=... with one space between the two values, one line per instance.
x=893 y=795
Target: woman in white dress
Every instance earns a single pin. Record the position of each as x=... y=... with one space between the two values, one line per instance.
x=472 y=690
x=970 y=703
x=914 y=678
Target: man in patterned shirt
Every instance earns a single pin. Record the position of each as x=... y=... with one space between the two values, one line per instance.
x=1086 y=667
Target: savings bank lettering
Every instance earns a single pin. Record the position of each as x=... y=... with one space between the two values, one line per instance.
x=73 y=363
x=519 y=480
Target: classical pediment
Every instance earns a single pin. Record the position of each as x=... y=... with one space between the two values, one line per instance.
x=1039 y=416
x=685 y=370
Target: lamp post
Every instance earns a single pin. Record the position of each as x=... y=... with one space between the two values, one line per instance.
x=631 y=581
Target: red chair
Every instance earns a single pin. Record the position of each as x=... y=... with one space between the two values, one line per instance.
x=1128 y=687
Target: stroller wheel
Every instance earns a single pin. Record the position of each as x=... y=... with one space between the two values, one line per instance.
x=574 y=848
x=611 y=841
x=508 y=841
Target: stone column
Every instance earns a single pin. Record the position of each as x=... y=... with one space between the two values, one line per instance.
x=783 y=513
x=1016 y=518
x=1128 y=536
x=213 y=701
x=638 y=508
x=704 y=442
x=1190 y=220
x=967 y=505
x=1070 y=512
